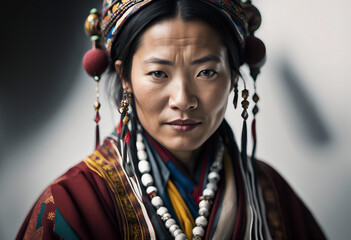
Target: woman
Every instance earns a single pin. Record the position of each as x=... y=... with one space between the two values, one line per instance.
x=175 y=171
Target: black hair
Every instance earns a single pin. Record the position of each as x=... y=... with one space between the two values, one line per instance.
x=129 y=37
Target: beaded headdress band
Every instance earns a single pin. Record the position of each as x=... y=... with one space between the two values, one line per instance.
x=243 y=16
x=116 y=12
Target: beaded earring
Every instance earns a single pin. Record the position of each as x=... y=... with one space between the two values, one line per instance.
x=95 y=62
x=245 y=105
x=123 y=131
x=124 y=107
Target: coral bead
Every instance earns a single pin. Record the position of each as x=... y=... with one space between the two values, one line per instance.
x=95 y=62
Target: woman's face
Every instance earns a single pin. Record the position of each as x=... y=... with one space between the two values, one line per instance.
x=181 y=80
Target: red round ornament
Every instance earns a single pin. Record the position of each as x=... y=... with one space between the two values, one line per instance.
x=95 y=62
x=255 y=51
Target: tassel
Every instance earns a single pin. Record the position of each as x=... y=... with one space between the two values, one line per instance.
x=253 y=130
x=119 y=127
x=244 y=144
x=97 y=136
x=126 y=138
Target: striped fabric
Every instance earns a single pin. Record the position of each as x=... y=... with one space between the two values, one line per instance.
x=116 y=12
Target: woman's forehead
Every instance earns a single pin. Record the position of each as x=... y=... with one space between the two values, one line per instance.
x=176 y=32
x=168 y=38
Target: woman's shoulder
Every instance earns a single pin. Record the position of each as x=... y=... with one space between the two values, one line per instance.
x=285 y=211
x=45 y=221
x=76 y=201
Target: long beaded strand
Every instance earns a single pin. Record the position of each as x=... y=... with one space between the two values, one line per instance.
x=206 y=199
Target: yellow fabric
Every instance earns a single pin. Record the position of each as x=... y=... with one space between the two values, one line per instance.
x=186 y=220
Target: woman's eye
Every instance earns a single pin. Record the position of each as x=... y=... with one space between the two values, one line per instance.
x=206 y=73
x=158 y=74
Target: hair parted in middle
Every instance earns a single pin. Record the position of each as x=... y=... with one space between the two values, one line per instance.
x=129 y=37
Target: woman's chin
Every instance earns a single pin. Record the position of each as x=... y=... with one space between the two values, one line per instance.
x=183 y=143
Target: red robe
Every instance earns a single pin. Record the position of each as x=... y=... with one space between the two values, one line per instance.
x=82 y=204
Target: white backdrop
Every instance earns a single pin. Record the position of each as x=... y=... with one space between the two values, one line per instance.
x=303 y=127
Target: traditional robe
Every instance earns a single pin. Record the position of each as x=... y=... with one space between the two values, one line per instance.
x=97 y=199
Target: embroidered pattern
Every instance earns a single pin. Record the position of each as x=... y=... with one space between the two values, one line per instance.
x=104 y=163
x=273 y=210
x=50 y=200
x=51 y=216
x=116 y=12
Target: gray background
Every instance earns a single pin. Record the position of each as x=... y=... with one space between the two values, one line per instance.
x=303 y=127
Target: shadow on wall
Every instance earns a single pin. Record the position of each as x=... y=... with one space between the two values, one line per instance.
x=314 y=129
x=40 y=54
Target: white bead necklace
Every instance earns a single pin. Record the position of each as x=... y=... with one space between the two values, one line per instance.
x=207 y=197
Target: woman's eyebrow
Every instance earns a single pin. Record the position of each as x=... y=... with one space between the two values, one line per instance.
x=207 y=58
x=158 y=61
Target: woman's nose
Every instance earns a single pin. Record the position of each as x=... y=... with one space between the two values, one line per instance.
x=182 y=97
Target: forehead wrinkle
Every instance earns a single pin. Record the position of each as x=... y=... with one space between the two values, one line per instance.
x=181 y=46
x=179 y=41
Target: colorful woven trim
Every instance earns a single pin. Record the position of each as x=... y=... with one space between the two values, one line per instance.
x=116 y=12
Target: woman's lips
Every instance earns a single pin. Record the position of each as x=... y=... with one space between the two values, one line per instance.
x=183 y=125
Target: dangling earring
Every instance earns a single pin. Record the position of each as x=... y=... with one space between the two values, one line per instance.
x=235 y=100
x=245 y=105
x=123 y=133
x=126 y=100
x=95 y=62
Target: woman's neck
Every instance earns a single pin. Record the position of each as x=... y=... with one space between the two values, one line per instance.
x=188 y=159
